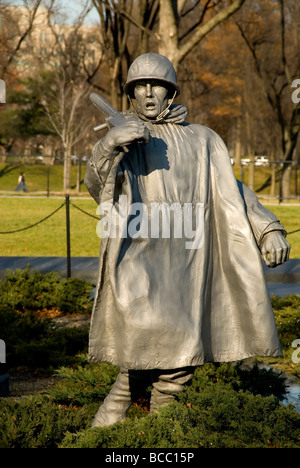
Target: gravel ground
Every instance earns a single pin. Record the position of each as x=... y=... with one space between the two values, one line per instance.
x=23 y=383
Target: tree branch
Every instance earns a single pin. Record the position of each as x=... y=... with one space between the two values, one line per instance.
x=189 y=10
x=257 y=66
x=282 y=32
x=32 y=15
x=116 y=9
x=205 y=8
x=202 y=31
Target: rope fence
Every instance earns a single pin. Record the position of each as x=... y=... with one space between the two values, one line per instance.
x=83 y=211
x=79 y=209
x=48 y=217
x=37 y=223
x=67 y=203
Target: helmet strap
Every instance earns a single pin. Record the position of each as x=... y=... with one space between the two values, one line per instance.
x=165 y=112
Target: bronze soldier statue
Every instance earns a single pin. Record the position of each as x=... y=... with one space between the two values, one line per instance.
x=165 y=305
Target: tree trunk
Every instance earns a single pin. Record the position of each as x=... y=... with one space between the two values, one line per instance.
x=286 y=183
x=251 y=172
x=148 y=12
x=169 y=16
x=273 y=177
x=67 y=170
x=168 y=30
x=238 y=151
x=114 y=93
x=78 y=183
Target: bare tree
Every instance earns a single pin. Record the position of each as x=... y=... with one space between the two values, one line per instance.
x=177 y=44
x=147 y=18
x=14 y=33
x=172 y=27
x=64 y=107
x=17 y=23
x=64 y=87
x=115 y=30
x=275 y=70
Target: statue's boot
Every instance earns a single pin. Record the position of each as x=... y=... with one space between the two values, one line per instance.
x=167 y=385
x=116 y=404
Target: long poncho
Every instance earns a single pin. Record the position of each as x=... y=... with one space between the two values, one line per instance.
x=162 y=303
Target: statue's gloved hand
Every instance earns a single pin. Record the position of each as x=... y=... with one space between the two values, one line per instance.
x=275 y=249
x=126 y=134
x=177 y=114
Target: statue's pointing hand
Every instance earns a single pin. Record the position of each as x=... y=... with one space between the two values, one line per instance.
x=275 y=249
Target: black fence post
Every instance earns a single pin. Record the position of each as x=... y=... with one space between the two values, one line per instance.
x=296 y=179
x=48 y=180
x=68 y=236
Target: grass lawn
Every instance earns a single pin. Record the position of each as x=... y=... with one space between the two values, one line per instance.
x=36 y=176
x=289 y=217
x=49 y=238
x=261 y=174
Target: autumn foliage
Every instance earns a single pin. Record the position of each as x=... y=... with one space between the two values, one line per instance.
x=236 y=61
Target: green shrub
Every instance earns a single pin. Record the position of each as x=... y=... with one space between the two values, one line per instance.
x=24 y=290
x=215 y=410
x=224 y=406
x=37 y=422
x=287 y=315
x=84 y=385
x=212 y=412
x=257 y=380
x=208 y=414
x=35 y=343
x=219 y=420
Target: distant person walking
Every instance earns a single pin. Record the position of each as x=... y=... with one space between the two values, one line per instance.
x=21 y=183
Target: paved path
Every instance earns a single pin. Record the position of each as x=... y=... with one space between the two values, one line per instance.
x=282 y=281
x=81 y=267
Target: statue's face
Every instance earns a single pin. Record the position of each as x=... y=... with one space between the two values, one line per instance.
x=151 y=98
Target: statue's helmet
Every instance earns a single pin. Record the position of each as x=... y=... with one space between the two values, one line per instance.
x=151 y=66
